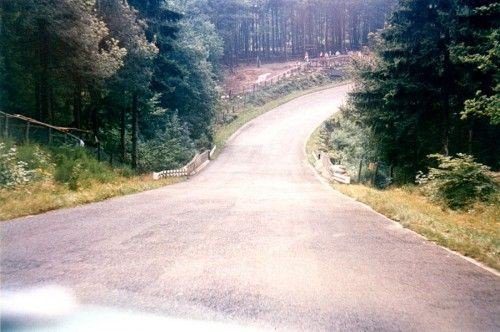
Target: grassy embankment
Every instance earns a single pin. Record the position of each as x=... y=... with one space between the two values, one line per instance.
x=474 y=233
x=56 y=190
x=54 y=178
x=271 y=98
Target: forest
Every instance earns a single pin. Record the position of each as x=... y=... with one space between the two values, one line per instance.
x=285 y=29
x=431 y=86
x=143 y=75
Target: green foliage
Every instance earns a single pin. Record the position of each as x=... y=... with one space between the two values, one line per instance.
x=347 y=140
x=109 y=66
x=76 y=168
x=13 y=172
x=171 y=148
x=432 y=66
x=477 y=50
x=459 y=181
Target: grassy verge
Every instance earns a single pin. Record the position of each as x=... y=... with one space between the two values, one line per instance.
x=250 y=112
x=65 y=187
x=44 y=196
x=474 y=233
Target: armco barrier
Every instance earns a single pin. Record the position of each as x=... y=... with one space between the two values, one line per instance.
x=330 y=171
x=189 y=169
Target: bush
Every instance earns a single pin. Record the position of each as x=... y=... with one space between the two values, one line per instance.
x=348 y=141
x=76 y=168
x=13 y=172
x=458 y=181
x=171 y=148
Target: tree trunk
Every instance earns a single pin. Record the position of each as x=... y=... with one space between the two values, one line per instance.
x=135 y=130
x=43 y=53
x=122 y=133
x=77 y=104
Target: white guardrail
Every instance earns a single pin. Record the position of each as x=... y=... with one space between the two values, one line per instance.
x=196 y=164
x=328 y=170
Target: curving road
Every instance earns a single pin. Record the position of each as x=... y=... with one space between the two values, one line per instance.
x=255 y=239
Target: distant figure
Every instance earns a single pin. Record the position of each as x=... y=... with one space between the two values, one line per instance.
x=306 y=57
x=321 y=54
x=337 y=53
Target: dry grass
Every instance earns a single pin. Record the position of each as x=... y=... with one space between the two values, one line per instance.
x=44 y=196
x=475 y=233
x=49 y=195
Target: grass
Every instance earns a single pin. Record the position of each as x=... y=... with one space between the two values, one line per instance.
x=42 y=196
x=224 y=132
x=474 y=233
x=96 y=181
x=62 y=177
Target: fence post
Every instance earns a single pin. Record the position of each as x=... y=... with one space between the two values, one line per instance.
x=98 y=151
x=359 y=171
x=50 y=136
x=27 y=133
x=6 y=128
x=375 y=174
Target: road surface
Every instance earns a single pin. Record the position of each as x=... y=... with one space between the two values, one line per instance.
x=255 y=239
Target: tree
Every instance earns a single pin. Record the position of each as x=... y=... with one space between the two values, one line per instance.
x=478 y=50
x=411 y=93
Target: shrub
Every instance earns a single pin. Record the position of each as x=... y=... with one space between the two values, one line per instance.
x=37 y=160
x=171 y=148
x=348 y=141
x=76 y=168
x=13 y=172
x=458 y=181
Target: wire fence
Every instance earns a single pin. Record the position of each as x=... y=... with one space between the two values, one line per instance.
x=25 y=130
x=375 y=173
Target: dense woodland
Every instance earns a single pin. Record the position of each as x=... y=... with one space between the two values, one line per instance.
x=282 y=29
x=143 y=75
x=138 y=74
x=432 y=85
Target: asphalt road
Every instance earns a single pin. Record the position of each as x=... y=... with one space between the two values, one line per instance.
x=255 y=239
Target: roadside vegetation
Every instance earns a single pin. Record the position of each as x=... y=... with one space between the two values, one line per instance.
x=262 y=101
x=418 y=134
x=455 y=205
x=36 y=178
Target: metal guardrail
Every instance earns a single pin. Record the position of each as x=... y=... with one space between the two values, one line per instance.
x=190 y=168
x=332 y=172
